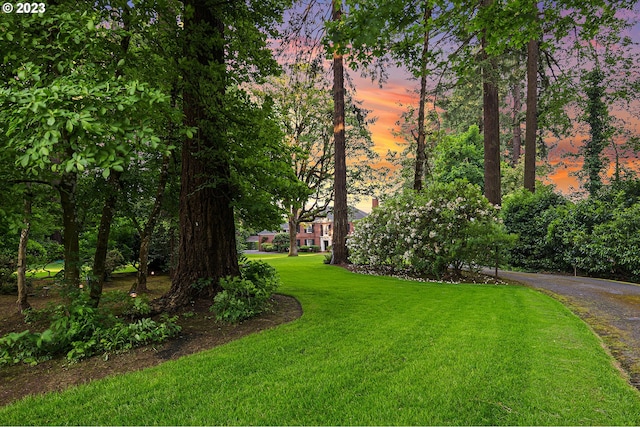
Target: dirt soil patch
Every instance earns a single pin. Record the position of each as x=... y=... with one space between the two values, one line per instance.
x=200 y=331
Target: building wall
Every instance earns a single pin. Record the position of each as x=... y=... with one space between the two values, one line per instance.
x=320 y=234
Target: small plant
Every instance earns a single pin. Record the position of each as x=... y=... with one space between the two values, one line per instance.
x=79 y=330
x=201 y=284
x=24 y=347
x=247 y=295
x=139 y=307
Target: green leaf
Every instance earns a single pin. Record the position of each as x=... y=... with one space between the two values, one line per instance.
x=189 y=134
x=106 y=173
x=69 y=127
x=9 y=37
x=90 y=25
x=121 y=63
x=51 y=121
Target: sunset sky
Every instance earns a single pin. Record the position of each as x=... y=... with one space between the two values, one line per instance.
x=389 y=102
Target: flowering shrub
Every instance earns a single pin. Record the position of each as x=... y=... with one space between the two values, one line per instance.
x=450 y=224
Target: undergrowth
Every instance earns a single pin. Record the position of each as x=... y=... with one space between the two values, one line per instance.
x=78 y=330
x=246 y=295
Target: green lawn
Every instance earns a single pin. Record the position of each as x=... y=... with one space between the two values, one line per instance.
x=373 y=350
x=51 y=269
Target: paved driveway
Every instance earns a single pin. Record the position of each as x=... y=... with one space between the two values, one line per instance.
x=611 y=308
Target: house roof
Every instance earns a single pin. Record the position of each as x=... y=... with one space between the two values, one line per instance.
x=353 y=214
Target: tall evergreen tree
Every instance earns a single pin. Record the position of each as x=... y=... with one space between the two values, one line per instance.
x=340 y=213
x=228 y=139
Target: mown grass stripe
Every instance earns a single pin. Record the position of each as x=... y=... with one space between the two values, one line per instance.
x=371 y=351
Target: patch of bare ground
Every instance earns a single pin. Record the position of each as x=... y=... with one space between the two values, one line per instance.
x=200 y=331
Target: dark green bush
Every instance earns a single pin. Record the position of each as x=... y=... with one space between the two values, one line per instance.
x=247 y=295
x=599 y=238
x=529 y=215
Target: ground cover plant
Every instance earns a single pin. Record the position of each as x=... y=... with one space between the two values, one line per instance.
x=78 y=330
x=200 y=331
x=373 y=350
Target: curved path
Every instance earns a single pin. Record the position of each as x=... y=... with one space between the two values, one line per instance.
x=611 y=308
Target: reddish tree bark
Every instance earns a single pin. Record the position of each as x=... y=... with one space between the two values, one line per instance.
x=532 y=117
x=517 y=130
x=340 y=214
x=207 y=241
x=491 y=125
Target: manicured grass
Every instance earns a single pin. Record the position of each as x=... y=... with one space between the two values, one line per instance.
x=51 y=269
x=372 y=350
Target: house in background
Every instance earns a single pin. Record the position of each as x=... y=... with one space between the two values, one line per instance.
x=317 y=233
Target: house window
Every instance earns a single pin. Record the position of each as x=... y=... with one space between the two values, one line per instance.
x=298 y=243
x=309 y=242
x=309 y=229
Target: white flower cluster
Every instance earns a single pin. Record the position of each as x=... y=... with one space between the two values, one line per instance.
x=447 y=225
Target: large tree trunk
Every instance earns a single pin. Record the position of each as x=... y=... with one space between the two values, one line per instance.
x=532 y=116
x=147 y=232
x=293 y=228
x=67 y=190
x=517 y=130
x=491 y=126
x=340 y=213
x=421 y=155
x=102 y=245
x=22 y=302
x=207 y=242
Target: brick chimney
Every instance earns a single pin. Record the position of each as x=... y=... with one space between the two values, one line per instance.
x=374 y=203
